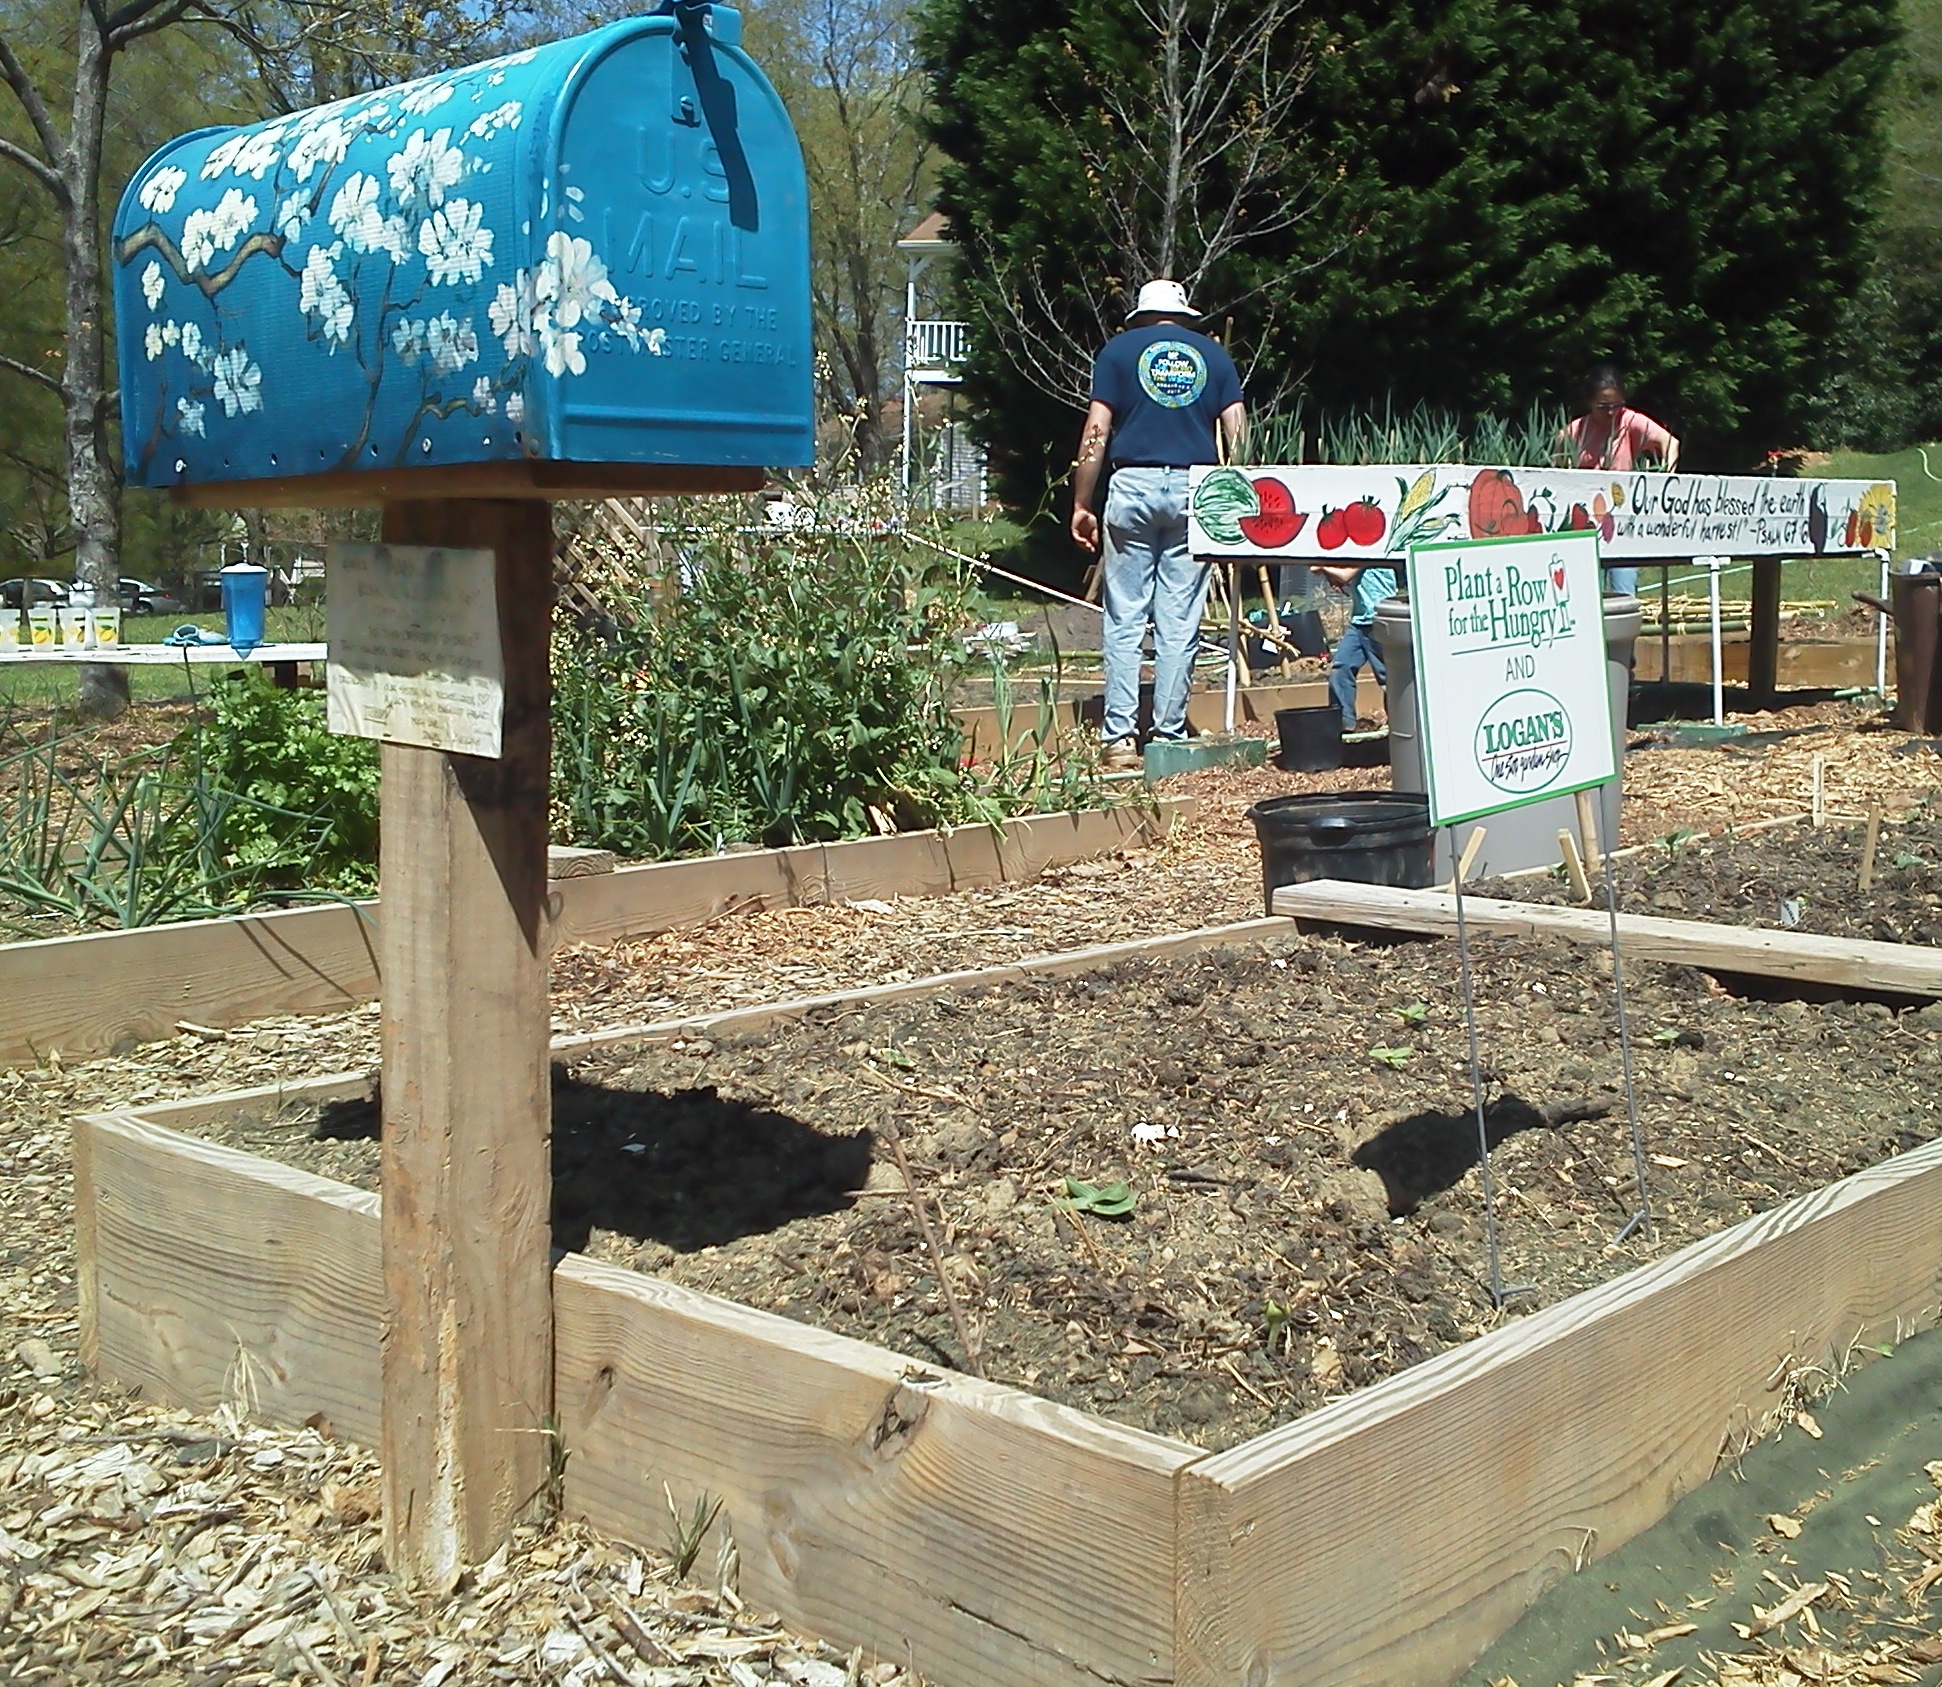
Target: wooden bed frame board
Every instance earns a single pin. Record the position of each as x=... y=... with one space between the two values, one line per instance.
x=209 y=1275
x=925 y=1516
x=1797 y=957
x=109 y=990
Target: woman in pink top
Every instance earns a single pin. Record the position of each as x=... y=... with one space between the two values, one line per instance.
x=1613 y=436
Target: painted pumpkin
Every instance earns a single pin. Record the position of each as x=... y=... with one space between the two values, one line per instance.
x=1497 y=507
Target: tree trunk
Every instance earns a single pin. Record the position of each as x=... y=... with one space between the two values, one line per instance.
x=94 y=480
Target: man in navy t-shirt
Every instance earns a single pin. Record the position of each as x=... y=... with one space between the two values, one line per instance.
x=1160 y=392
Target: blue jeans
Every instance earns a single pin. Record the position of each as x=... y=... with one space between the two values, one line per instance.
x=1356 y=646
x=1149 y=577
x=1624 y=581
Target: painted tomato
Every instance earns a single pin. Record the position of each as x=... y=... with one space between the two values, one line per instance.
x=1365 y=521
x=1497 y=507
x=1579 y=520
x=1332 y=531
x=1278 y=522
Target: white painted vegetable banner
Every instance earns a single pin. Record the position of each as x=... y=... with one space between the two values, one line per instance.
x=1325 y=512
x=1510 y=671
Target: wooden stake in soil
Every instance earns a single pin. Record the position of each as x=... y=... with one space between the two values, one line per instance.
x=1469 y=856
x=1588 y=832
x=466 y=1171
x=1868 y=845
x=1574 y=868
x=972 y=1363
x=1820 y=791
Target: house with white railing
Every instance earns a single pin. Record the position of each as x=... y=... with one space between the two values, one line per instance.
x=942 y=464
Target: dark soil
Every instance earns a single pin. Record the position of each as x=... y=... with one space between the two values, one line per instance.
x=1295 y=1127
x=1796 y=877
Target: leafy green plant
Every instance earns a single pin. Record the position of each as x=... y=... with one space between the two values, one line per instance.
x=273 y=750
x=1394 y=1058
x=687 y=1531
x=136 y=841
x=1414 y=1014
x=795 y=689
x=1423 y=433
x=1102 y=1200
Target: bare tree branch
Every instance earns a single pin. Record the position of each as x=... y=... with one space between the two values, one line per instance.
x=154 y=18
x=30 y=372
x=27 y=91
x=1181 y=169
x=132 y=12
x=49 y=179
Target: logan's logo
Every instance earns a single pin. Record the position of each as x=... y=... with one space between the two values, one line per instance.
x=1523 y=741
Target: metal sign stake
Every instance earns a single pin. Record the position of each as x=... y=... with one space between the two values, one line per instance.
x=1644 y=1213
x=1476 y=1094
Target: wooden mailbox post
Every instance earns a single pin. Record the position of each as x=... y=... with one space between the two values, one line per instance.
x=460 y=299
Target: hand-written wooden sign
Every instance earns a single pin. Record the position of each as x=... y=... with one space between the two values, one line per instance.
x=414 y=647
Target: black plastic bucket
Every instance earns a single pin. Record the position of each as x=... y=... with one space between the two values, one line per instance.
x=1367 y=837
x=1311 y=739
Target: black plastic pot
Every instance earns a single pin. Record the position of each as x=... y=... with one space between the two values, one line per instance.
x=1367 y=837
x=1311 y=739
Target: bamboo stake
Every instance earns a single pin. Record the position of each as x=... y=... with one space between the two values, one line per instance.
x=1469 y=858
x=1588 y=831
x=1820 y=790
x=1574 y=868
x=1868 y=846
x=1274 y=614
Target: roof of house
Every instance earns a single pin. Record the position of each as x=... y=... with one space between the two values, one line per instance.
x=928 y=236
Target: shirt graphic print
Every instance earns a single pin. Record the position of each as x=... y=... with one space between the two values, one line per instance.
x=1172 y=373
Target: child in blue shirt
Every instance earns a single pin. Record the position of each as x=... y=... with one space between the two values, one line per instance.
x=1357 y=645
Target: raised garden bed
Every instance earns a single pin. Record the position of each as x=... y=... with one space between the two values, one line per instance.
x=1791 y=878
x=876 y=1497
x=109 y=990
x=1305 y=1219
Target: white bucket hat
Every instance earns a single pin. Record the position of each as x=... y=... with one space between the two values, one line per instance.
x=1162 y=298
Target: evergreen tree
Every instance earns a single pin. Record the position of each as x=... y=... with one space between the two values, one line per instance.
x=1503 y=192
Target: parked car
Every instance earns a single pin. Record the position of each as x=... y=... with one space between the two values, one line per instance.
x=144 y=597
x=16 y=594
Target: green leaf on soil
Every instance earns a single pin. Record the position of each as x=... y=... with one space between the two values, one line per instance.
x=1102 y=1200
x=1414 y=1014
x=1904 y=859
x=1397 y=1058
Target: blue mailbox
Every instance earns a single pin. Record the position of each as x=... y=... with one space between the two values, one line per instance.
x=594 y=252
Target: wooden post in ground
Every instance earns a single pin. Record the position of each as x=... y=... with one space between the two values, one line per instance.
x=1763 y=656
x=468 y=1344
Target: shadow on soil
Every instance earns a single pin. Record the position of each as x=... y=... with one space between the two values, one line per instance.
x=1421 y=1157
x=688 y=1168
